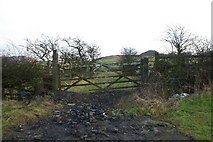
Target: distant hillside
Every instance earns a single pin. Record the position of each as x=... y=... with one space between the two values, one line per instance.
x=148 y=53
x=109 y=59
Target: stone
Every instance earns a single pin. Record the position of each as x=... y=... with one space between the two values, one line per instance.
x=54 y=119
x=69 y=120
x=84 y=137
x=151 y=128
x=88 y=107
x=90 y=113
x=155 y=129
x=57 y=111
x=93 y=110
x=19 y=129
x=74 y=122
x=105 y=134
x=28 y=133
x=37 y=137
x=94 y=131
x=80 y=107
x=161 y=124
x=71 y=104
x=88 y=124
x=115 y=130
x=113 y=118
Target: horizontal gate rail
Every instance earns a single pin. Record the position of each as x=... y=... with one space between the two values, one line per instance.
x=99 y=65
x=124 y=76
x=135 y=86
x=74 y=84
x=124 y=81
x=100 y=77
x=90 y=74
x=88 y=81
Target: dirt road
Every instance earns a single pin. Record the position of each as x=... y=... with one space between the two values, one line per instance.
x=87 y=117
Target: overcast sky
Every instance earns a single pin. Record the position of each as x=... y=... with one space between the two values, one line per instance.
x=111 y=24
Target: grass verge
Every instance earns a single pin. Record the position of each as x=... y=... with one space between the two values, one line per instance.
x=128 y=106
x=16 y=113
x=191 y=115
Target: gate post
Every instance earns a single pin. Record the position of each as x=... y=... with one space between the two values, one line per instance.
x=156 y=64
x=144 y=69
x=55 y=71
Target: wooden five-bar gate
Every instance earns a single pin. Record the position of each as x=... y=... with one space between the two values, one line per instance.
x=101 y=76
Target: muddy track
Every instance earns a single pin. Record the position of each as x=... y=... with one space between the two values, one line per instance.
x=87 y=117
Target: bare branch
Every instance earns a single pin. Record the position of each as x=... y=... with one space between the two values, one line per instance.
x=43 y=47
x=179 y=38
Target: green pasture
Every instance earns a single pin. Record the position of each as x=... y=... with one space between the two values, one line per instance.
x=108 y=60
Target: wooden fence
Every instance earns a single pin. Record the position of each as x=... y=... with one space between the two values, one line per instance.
x=105 y=76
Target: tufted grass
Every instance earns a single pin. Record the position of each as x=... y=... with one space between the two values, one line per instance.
x=191 y=115
x=15 y=113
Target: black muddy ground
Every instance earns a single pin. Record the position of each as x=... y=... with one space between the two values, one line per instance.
x=87 y=117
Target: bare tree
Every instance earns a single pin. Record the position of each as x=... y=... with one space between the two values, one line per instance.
x=203 y=66
x=80 y=52
x=179 y=39
x=72 y=50
x=13 y=49
x=128 y=56
x=93 y=52
x=202 y=45
x=43 y=47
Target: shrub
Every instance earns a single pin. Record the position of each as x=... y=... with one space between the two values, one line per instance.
x=184 y=73
x=128 y=56
x=20 y=75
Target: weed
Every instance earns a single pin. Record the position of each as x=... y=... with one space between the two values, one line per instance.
x=134 y=110
x=128 y=106
x=116 y=112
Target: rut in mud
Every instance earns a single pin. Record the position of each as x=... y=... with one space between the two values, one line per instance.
x=87 y=117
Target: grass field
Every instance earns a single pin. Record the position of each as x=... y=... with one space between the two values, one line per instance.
x=109 y=60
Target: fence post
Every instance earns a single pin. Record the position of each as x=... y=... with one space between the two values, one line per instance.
x=55 y=71
x=141 y=71
x=144 y=69
x=156 y=65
